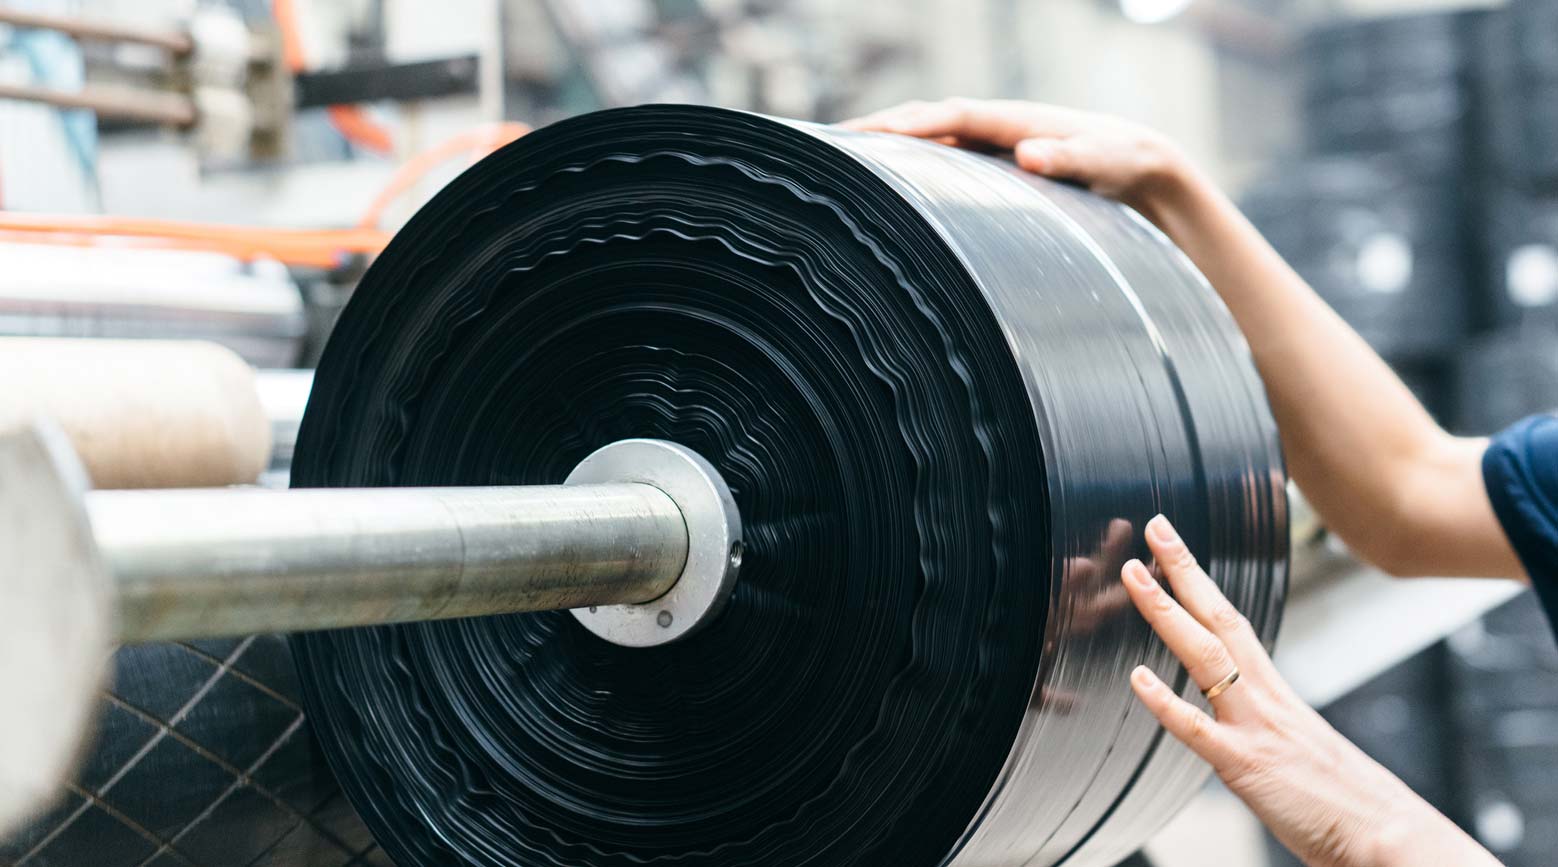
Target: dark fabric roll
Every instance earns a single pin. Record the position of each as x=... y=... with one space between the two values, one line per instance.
x=946 y=396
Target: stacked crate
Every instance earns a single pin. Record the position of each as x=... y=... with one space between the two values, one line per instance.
x=1397 y=86
x=1382 y=250
x=1504 y=688
x=1511 y=368
x=1376 y=214
x=1425 y=211
x=1534 y=25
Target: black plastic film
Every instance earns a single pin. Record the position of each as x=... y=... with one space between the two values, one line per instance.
x=946 y=395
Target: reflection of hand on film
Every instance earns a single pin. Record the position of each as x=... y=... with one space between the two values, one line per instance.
x=1103 y=597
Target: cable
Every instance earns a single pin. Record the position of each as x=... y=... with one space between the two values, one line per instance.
x=477 y=143
x=321 y=248
x=358 y=128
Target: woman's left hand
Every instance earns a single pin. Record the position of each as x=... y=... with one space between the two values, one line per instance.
x=1319 y=794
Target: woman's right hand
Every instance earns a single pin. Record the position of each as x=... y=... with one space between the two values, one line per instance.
x=1319 y=794
x=1111 y=156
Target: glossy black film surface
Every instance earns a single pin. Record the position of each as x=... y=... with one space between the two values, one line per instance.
x=946 y=398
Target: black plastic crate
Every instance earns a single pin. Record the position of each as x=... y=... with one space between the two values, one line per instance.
x=1520 y=284
x=1386 y=250
x=1536 y=32
x=1504 y=686
x=1506 y=376
x=1361 y=52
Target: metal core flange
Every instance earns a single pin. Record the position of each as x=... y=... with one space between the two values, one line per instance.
x=714 y=546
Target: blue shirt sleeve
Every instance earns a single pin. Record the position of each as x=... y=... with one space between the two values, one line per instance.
x=1520 y=470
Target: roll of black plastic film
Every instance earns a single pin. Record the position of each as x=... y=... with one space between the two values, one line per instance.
x=946 y=395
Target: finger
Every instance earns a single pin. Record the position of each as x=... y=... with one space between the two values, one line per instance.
x=1002 y=123
x=898 y=118
x=1200 y=596
x=1186 y=722
x=1204 y=655
x=876 y=121
x=865 y=123
x=1064 y=159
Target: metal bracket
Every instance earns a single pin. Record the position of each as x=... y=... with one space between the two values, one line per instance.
x=714 y=545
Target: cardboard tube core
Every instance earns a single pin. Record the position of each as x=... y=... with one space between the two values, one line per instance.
x=141 y=413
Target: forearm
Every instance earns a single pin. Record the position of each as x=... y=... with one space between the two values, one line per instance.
x=1334 y=806
x=1384 y=476
x=1417 y=835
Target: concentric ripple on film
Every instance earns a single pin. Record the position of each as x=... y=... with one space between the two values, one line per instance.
x=945 y=396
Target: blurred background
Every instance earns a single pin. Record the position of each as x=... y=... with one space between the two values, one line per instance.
x=226 y=170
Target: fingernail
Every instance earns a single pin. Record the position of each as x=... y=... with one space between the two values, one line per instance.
x=1162 y=530
x=1143 y=677
x=1136 y=572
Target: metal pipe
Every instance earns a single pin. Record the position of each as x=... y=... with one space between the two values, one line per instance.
x=118 y=103
x=100 y=31
x=197 y=563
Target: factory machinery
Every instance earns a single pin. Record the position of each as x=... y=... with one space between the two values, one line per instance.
x=683 y=485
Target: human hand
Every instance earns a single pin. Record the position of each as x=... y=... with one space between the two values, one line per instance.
x=1111 y=156
x=1319 y=794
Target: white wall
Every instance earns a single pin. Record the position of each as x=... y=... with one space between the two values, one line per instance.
x=157 y=175
x=1081 y=53
x=1076 y=52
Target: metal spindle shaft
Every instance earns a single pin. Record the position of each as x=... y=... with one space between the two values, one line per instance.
x=195 y=563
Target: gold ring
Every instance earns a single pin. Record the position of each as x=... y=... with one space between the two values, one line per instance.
x=1221 y=686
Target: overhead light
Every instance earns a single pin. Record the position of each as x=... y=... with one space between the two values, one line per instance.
x=1152 y=11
